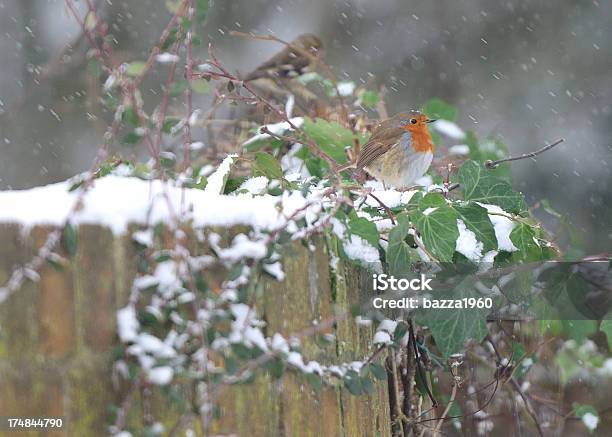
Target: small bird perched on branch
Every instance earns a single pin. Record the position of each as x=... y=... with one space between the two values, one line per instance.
x=292 y=61
x=399 y=151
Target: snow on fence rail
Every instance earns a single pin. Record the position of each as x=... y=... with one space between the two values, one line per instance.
x=58 y=331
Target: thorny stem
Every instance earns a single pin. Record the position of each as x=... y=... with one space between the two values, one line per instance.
x=163 y=107
x=187 y=139
x=494 y=164
x=98 y=52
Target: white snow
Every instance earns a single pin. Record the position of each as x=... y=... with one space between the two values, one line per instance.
x=161 y=375
x=216 y=181
x=193 y=119
x=429 y=211
x=590 y=421
x=144 y=282
x=127 y=324
x=116 y=202
x=387 y=325
x=256 y=185
x=289 y=105
x=459 y=149
x=356 y=248
x=382 y=337
x=503 y=227
x=242 y=247
x=276 y=270
x=150 y=344
x=346 y=88
x=243 y=330
x=279 y=344
x=143 y=237
x=196 y=145
x=359 y=249
x=166 y=57
x=167 y=279
x=467 y=244
x=275 y=128
x=449 y=129
x=294 y=167
x=390 y=197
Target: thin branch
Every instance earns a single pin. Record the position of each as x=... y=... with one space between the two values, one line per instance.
x=494 y=164
x=517 y=388
x=447 y=409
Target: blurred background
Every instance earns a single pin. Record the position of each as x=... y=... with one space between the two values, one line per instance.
x=524 y=72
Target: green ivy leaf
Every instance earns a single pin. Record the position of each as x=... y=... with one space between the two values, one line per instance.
x=431 y=200
x=129 y=116
x=169 y=124
x=178 y=87
x=69 y=240
x=477 y=220
x=439 y=232
x=437 y=108
x=451 y=328
x=135 y=68
x=368 y=99
x=267 y=165
x=315 y=381
x=365 y=229
x=399 y=253
x=606 y=328
x=200 y=86
x=352 y=382
x=480 y=186
x=523 y=237
x=579 y=330
x=167 y=160
x=367 y=385
x=132 y=138
x=378 y=371
x=331 y=137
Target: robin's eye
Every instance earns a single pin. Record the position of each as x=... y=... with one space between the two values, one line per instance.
x=413 y=120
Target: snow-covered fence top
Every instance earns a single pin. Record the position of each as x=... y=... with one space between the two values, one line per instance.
x=115 y=202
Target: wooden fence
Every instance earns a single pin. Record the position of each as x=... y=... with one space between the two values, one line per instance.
x=57 y=337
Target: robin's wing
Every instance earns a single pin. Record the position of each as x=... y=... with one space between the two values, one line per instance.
x=382 y=140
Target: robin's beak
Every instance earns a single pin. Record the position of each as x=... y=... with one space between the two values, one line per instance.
x=430 y=120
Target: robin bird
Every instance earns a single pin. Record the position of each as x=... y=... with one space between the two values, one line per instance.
x=399 y=151
x=292 y=61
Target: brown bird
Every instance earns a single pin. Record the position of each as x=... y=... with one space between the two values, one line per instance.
x=291 y=61
x=399 y=151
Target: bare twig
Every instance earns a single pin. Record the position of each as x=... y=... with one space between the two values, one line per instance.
x=447 y=409
x=517 y=388
x=494 y=164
